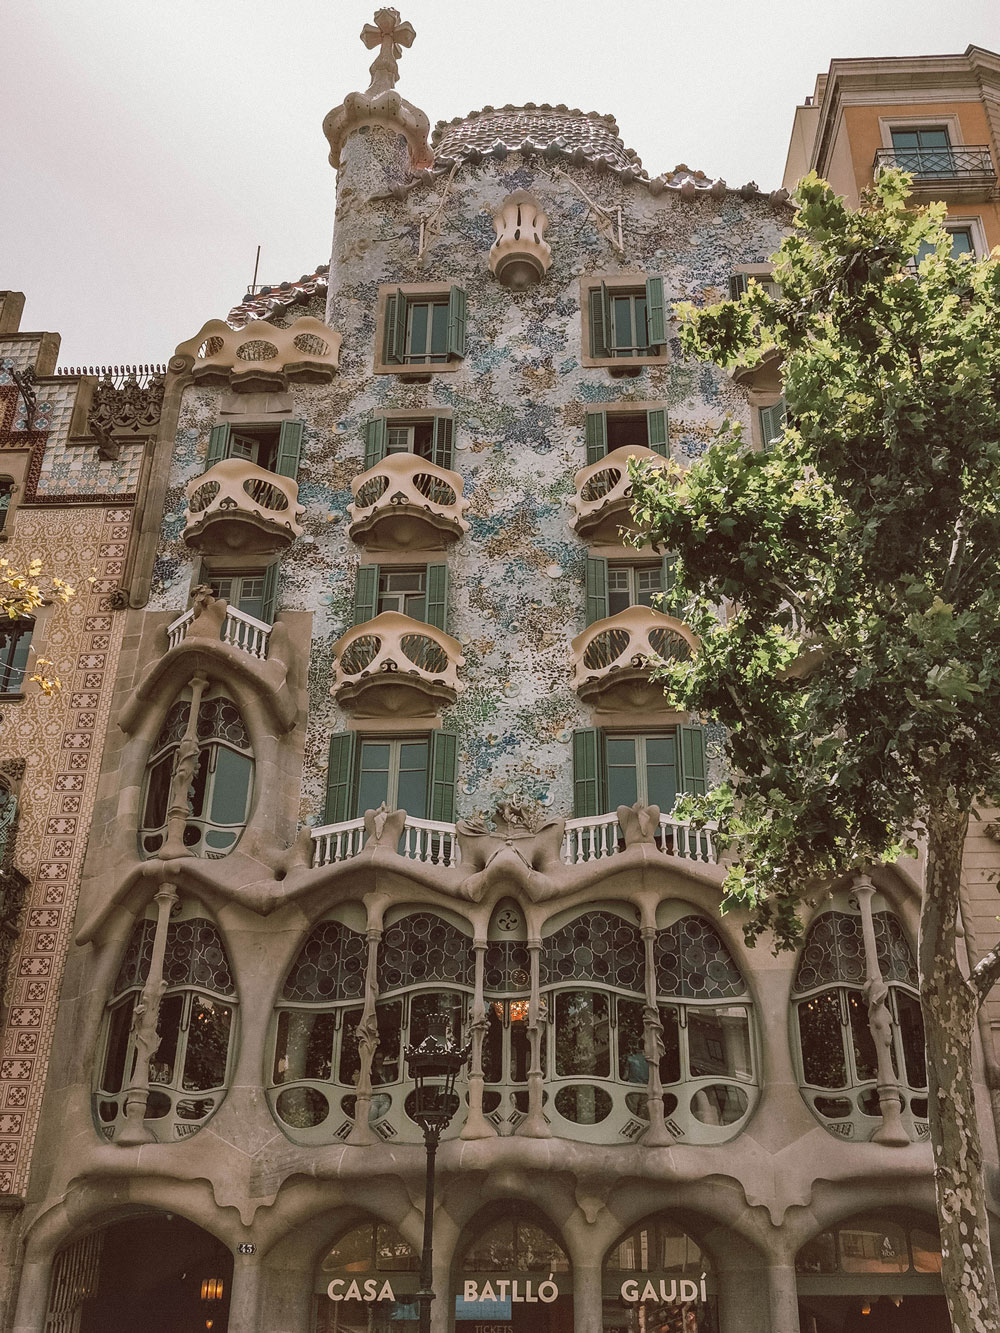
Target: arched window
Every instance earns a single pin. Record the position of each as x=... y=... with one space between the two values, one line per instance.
x=593 y=982
x=877 y=1271
x=708 y=1069
x=506 y=1048
x=15 y=647
x=513 y=1272
x=368 y=1279
x=315 y=1049
x=836 y=1052
x=425 y=980
x=6 y=498
x=659 y=1277
x=189 y=1070
x=221 y=787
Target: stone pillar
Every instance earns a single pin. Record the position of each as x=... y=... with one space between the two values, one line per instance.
x=33 y=1296
x=534 y=1126
x=246 y=1301
x=476 y=1125
x=587 y=1312
x=657 y=1135
x=145 y=1029
x=444 y=1300
x=891 y=1131
x=367 y=1035
x=783 y=1299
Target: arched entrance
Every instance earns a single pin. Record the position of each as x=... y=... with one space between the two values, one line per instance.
x=155 y=1272
x=512 y=1275
x=367 y=1283
x=658 y=1277
x=873 y=1273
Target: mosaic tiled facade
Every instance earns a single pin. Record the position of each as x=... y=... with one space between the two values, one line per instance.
x=369 y=709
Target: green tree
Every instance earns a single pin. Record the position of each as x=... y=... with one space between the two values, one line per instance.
x=858 y=674
x=20 y=595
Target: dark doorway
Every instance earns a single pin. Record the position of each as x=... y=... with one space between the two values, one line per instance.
x=158 y=1274
x=881 y=1314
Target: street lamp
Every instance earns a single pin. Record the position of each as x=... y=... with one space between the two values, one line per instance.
x=433 y=1066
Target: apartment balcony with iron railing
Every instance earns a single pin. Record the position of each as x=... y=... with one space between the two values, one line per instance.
x=239 y=630
x=405 y=502
x=238 y=506
x=592 y=838
x=395 y=666
x=964 y=171
x=603 y=500
x=614 y=658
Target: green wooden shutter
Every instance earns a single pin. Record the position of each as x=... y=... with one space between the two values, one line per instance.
x=656 y=429
x=456 y=322
x=218 y=445
x=437 y=596
x=340 y=778
x=668 y=566
x=772 y=424
x=656 y=315
x=596 y=426
x=376 y=441
x=738 y=284
x=365 y=593
x=289 y=449
x=691 y=760
x=600 y=330
x=588 y=772
x=269 y=601
x=395 y=328
x=442 y=448
x=443 y=766
x=597 y=590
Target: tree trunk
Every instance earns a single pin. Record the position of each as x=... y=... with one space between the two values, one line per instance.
x=949 y=1005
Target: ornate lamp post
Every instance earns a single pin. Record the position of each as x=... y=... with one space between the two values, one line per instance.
x=433 y=1066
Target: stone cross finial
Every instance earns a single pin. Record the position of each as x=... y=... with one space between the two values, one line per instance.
x=390 y=36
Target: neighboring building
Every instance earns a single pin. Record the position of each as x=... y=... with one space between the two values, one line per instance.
x=73 y=450
x=935 y=116
x=388 y=759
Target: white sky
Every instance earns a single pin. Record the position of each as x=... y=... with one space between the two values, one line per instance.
x=148 y=146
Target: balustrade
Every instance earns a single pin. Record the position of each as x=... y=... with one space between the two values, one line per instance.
x=238 y=629
x=603 y=500
x=613 y=659
x=237 y=505
x=394 y=665
x=405 y=502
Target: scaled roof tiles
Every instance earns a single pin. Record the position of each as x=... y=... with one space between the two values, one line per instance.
x=540 y=127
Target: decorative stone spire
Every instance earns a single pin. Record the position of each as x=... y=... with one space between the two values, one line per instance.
x=381 y=104
x=390 y=36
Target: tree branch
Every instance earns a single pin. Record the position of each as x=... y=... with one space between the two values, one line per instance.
x=986 y=974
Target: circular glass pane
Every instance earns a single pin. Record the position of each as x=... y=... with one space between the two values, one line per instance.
x=719 y=1104
x=583 y=1104
x=302 y=1108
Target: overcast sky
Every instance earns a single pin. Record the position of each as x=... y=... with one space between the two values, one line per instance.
x=148 y=146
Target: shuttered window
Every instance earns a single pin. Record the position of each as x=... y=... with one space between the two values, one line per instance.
x=606 y=431
x=411 y=773
x=772 y=424
x=426 y=437
x=612 y=768
x=420 y=592
x=424 y=330
x=627 y=322
x=276 y=447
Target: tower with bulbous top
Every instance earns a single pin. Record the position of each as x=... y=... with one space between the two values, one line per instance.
x=378 y=140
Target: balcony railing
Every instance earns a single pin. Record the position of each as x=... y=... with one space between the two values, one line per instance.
x=603 y=499
x=960 y=167
x=394 y=665
x=614 y=658
x=585 y=840
x=598 y=836
x=238 y=629
x=237 y=505
x=405 y=502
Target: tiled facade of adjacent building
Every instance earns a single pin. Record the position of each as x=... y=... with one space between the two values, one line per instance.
x=387 y=757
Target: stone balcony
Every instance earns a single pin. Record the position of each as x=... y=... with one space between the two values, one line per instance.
x=613 y=659
x=261 y=357
x=238 y=506
x=407 y=503
x=239 y=629
x=603 y=501
x=394 y=666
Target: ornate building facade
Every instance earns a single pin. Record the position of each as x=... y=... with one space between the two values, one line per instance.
x=387 y=761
